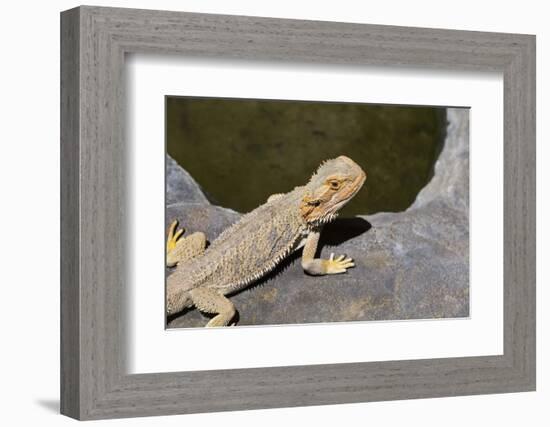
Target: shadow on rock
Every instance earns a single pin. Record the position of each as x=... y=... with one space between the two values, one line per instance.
x=342 y=230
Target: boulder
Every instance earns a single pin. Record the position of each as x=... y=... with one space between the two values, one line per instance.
x=180 y=186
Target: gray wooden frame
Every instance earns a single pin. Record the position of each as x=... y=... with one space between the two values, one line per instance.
x=94 y=41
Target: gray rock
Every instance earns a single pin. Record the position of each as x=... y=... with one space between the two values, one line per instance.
x=409 y=265
x=451 y=176
x=180 y=186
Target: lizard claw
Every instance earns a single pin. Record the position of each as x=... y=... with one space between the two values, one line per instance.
x=173 y=236
x=339 y=264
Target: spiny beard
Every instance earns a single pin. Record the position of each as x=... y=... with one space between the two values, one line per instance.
x=323 y=220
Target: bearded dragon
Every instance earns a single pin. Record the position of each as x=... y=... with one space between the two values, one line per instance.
x=260 y=240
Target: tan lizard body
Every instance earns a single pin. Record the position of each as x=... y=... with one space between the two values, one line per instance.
x=260 y=240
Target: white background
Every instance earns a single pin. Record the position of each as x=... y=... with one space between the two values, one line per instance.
x=29 y=176
x=152 y=349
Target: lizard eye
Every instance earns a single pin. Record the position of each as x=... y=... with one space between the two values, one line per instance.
x=334 y=184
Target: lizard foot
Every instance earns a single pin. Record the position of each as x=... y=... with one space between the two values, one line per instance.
x=219 y=321
x=338 y=265
x=180 y=249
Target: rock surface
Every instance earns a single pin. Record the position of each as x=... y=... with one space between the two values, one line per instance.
x=409 y=265
x=180 y=187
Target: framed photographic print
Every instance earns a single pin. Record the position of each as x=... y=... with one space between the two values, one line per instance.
x=330 y=212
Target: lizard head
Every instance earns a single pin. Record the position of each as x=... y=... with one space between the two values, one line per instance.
x=330 y=188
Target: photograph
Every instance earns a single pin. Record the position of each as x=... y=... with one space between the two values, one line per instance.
x=286 y=212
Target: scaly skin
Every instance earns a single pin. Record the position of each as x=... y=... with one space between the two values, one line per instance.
x=259 y=241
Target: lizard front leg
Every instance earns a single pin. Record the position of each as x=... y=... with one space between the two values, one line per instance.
x=319 y=266
x=211 y=301
x=180 y=249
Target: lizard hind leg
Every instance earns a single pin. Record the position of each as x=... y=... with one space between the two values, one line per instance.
x=180 y=249
x=210 y=301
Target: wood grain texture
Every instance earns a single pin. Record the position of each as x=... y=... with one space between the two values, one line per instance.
x=70 y=264
x=94 y=382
